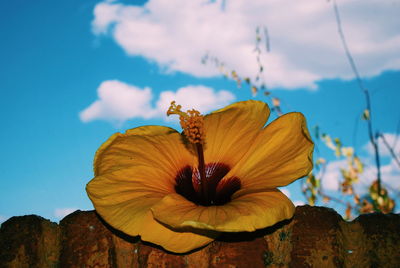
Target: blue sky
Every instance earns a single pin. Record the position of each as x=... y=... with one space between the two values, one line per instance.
x=56 y=58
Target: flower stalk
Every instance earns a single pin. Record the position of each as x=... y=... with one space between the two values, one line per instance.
x=192 y=124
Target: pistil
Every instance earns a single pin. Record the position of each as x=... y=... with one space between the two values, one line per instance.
x=202 y=170
x=192 y=123
x=202 y=185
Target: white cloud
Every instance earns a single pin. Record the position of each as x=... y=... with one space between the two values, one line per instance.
x=390 y=172
x=106 y=13
x=201 y=98
x=62 y=212
x=393 y=141
x=305 y=46
x=391 y=175
x=332 y=175
x=118 y=101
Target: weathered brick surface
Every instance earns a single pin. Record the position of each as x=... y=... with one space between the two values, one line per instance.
x=315 y=237
x=29 y=241
x=88 y=242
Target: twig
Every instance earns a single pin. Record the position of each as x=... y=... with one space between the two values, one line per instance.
x=364 y=90
x=389 y=148
x=337 y=200
x=396 y=135
x=267 y=43
x=394 y=191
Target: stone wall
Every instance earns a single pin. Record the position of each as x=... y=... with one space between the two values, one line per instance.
x=315 y=237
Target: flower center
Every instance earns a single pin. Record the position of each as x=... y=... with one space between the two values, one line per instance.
x=202 y=185
x=217 y=192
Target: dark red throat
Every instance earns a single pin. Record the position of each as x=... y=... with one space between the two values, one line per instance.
x=217 y=191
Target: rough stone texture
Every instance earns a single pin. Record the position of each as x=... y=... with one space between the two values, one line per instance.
x=315 y=237
x=29 y=241
x=89 y=242
x=381 y=236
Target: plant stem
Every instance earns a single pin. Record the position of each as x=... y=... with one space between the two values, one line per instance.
x=372 y=138
x=396 y=159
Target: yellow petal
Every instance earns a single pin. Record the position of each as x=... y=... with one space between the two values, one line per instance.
x=230 y=131
x=123 y=199
x=246 y=213
x=281 y=154
x=152 y=146
x=174 y=241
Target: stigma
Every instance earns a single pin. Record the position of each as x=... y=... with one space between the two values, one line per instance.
x=192 y=123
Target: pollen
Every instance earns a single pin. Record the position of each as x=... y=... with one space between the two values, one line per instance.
x=192 y=123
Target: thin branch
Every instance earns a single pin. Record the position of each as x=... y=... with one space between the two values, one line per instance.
x=346 y=48
x=355 y=130
x=389 y=148
x=322 y=193
x=334 y=199
x=394 y=191
x=266 y=36
x=396 y=135
x=364 y=90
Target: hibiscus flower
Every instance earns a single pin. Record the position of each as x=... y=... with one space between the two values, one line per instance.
x=180 y=190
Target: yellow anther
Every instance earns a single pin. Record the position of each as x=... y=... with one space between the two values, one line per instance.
x=192 y=122
x=175 y=109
